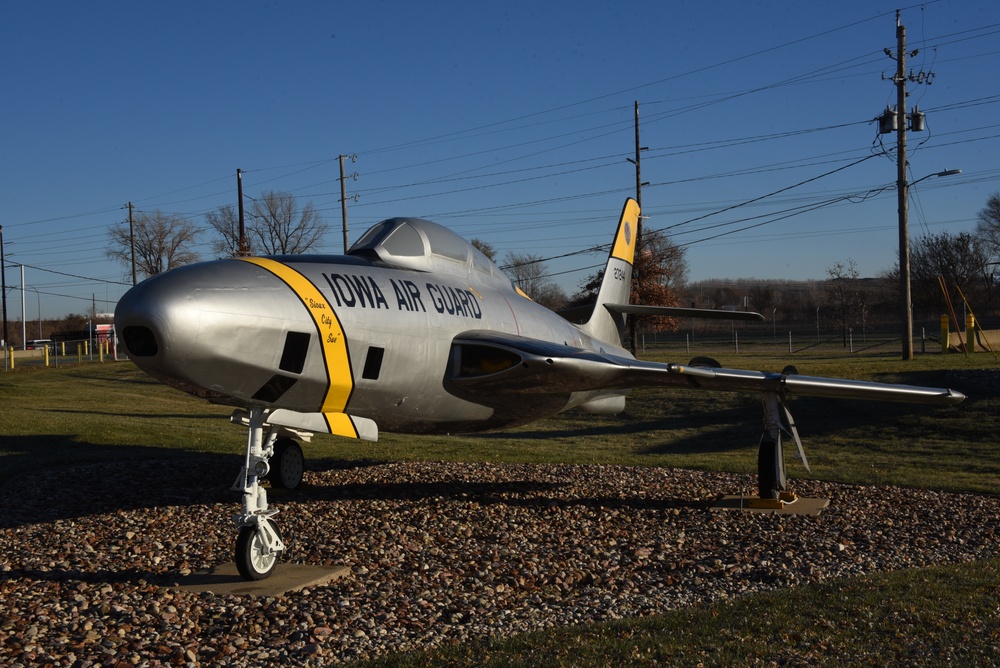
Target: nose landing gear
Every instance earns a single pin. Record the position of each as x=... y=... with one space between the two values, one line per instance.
x=259 y=543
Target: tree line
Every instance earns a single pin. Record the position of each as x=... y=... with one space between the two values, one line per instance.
x=965 y=263
x=274 y=224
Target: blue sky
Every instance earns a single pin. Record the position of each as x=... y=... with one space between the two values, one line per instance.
x=510 y=122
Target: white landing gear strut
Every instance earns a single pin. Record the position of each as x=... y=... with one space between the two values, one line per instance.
x=259 y=542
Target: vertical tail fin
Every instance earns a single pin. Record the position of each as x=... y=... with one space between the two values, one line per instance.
x=616 y=287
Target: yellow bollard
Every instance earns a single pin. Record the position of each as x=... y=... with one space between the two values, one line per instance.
x=945 y=334
x=79 y=354
x=10 y=353
x=62 y=345
x=46 y=354
x=970 y=333
x=100 y=352
x=86 y=348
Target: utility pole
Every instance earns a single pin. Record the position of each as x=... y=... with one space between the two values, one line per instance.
x=343 y=200
x=242 y=250
x=343 y=193
x=902 y=196
x=131 y=239
x=899 y=121
x=638 y=232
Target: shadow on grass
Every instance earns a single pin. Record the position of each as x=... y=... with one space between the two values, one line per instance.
x=120 y=414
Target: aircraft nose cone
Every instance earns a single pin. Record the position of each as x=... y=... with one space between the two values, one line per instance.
x=149 y=316
x=171 y=324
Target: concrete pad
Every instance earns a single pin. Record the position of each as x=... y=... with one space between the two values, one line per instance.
x=800 y=506
x=286 y=578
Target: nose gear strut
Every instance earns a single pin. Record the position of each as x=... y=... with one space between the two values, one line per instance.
x=259 y=543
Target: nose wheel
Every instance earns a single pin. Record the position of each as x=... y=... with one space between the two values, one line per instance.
x=256 y=556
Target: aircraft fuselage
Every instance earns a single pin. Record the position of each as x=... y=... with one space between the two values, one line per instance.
x=334 y=334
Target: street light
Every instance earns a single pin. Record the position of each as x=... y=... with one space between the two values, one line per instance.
x=3 y=289
x=38 y=298
x=905 y=299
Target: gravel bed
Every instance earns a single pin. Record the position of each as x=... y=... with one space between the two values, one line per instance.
x=438 y=552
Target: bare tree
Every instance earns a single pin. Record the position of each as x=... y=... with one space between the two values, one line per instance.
x=274 y=226
x=277 y=227
x=225 y=221
x=485 y=248
x=960 y=259
x=528 y=272
x=845 y=297
x=162 y=242
x=988 y=226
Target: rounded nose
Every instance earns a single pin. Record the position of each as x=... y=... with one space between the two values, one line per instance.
x=169 y=321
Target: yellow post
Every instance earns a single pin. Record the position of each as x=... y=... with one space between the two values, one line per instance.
x=970 y=333
x=86 y=347
x=46 y=354
x=945 y=334
x=62 y=346
x=79 y=353
x=10 y=353
x=100 y=352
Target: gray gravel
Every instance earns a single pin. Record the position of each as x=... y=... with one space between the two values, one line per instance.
x=438 y=552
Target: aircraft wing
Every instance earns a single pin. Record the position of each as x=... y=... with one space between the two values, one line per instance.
x=488 y=363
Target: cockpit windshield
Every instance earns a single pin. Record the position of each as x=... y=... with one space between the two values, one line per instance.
x=413 y=243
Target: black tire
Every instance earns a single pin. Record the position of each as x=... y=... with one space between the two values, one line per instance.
x=251 y=564
x=769 y=473
x=287 y=465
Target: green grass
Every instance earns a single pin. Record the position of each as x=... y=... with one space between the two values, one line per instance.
x=111 y=411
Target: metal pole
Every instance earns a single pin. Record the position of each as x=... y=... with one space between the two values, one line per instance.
x=3 y=288
x=902 y=196
x=24 y=326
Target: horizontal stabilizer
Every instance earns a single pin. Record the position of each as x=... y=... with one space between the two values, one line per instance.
x=679 y=312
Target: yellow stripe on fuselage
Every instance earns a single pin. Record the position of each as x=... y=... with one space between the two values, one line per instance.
x=340 y=382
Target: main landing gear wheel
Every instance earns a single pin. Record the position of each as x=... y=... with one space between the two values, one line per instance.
x=253 y=560
x=287 y=464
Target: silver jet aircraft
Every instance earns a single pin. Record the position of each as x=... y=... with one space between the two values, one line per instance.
x=414 y=331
